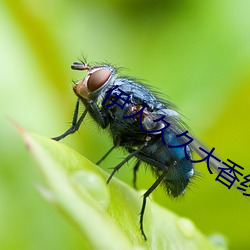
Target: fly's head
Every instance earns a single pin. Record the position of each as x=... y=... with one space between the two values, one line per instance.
x=95 y=81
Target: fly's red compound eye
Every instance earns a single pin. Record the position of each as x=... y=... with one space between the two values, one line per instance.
x=97 y=79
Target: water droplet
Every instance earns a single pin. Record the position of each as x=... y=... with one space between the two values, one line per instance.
x=186 y=226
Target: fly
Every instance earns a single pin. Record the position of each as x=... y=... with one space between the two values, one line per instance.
x=147 y=126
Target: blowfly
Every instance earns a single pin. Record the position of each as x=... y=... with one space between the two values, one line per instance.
x=148 y=127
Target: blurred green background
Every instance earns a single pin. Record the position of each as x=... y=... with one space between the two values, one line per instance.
x=195 y=52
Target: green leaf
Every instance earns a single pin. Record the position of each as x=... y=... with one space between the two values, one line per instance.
x=107 y=215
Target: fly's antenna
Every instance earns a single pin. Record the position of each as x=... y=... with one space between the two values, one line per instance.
x=80 y=66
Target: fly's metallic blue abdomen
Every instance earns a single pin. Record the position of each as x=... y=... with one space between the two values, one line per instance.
x=172 y=160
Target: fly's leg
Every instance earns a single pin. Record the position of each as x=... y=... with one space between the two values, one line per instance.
x=136 y=167
x=105 y=155
x=145 y=196
x=124 y=161
x=75 y=124
x=91 y=107
x=99 y=116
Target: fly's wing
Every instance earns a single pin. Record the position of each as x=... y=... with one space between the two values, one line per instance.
x=214 y=165
x=195 y=145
